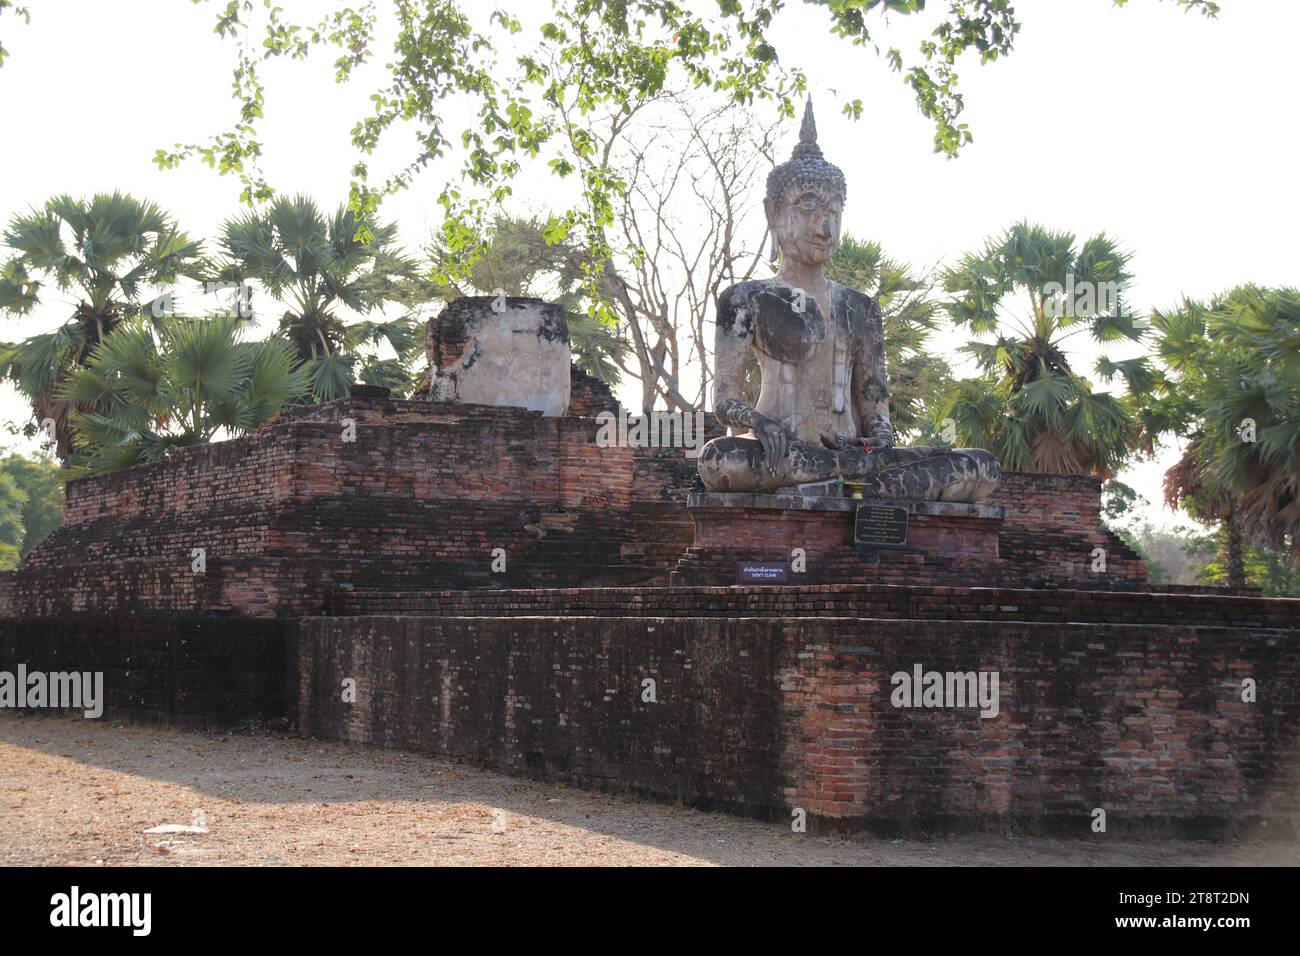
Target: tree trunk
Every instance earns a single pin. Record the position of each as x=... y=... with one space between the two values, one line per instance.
x=1232 y=551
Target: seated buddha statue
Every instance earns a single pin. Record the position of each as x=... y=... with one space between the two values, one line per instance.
x=823 y=407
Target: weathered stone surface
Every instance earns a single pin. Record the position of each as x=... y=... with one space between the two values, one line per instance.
x=509 y=351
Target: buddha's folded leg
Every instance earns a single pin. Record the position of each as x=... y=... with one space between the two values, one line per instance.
x=924 y=473
x=934 y=474
x=732 y=463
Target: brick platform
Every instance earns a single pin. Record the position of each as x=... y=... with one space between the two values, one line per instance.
x=372 y=560
x=945 y=540
x=427 y=494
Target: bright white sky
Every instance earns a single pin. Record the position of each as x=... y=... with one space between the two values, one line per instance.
x=1174 y=133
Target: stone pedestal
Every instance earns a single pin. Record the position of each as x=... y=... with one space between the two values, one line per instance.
x=499 y=350
x=946 y=542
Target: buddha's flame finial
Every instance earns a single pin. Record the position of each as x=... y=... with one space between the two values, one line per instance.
x=808 y=130
x=807 y=146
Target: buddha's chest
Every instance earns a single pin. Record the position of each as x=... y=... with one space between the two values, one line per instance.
x=804 y=349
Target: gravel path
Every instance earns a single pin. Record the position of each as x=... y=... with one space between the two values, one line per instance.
x=83 y=792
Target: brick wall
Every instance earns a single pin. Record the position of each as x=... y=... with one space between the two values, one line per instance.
x=253 y=471
x=1054 y=526
x=760 y=716
x=175 y=669
x=767 y=699
x=294 y=515
x=889 y=602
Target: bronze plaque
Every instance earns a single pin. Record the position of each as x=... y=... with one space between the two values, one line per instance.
x=880 y=526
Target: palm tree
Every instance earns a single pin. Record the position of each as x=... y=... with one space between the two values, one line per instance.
x=1031 y=289
x=1187 y=486
x=317 y=267
x=1234 y=388
x=177 y=382
x=918 y=379
x=105 y=253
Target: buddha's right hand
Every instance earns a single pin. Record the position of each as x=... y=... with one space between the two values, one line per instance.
x=772 y=437
x=863 y=449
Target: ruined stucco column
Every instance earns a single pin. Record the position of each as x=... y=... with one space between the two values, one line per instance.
x=500 y=350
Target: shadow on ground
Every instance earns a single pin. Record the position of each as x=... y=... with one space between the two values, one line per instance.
x=77 y=792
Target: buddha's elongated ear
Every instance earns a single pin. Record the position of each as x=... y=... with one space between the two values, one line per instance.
x=769 y=211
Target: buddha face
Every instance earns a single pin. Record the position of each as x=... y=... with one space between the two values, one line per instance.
x=807 y=224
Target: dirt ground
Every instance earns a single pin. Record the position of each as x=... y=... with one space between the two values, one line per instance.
x=83 y=792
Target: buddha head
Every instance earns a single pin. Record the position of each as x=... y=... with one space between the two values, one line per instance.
x=805 y=201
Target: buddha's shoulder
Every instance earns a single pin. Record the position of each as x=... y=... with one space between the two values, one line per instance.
x=739 y=304
x=740 y=294
x=859 y=302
